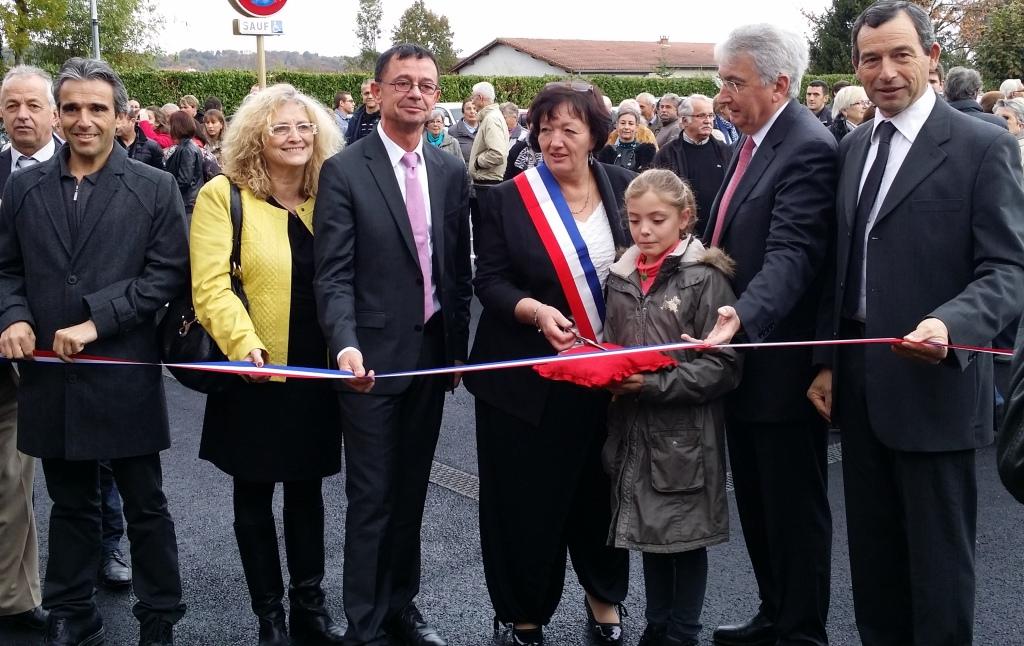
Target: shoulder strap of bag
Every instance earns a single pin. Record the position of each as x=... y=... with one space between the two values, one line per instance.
x=236 y=244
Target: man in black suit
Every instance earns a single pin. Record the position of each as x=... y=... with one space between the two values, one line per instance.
x=772 y=216
x=27 y=109
x=393 y=291
x=92 y=244
x=929 y=248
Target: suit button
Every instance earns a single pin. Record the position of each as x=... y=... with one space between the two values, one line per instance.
x=418 y=327
x=72 y=279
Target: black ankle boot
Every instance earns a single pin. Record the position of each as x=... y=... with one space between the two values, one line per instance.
x=257 y=546
x=518 y=636
x=304 y=545
x=603 y=634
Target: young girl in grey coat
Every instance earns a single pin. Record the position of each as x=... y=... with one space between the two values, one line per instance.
x=665 y=451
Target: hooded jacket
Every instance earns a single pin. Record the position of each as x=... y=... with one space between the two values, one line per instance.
x=665 y=451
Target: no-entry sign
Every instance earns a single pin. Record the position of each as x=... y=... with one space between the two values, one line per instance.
x=257 y=8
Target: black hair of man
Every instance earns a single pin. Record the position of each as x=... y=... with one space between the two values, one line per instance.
x=402 y=52
x=884 y=11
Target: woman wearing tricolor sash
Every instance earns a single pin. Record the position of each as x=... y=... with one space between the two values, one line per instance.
x=544 y=250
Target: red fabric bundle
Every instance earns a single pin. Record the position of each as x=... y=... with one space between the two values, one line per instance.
x=603 y=369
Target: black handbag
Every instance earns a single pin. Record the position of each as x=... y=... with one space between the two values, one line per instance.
x=183 y=339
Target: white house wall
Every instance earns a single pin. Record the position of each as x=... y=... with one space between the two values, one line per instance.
x=503 y=60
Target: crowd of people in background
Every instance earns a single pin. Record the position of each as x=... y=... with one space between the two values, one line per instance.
x=749 y=215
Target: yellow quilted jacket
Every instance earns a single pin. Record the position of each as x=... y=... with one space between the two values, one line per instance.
x=266 y=271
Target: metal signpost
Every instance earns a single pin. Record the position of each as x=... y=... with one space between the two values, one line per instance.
x=257 y=23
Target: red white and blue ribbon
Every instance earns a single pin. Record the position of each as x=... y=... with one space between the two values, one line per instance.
x=291 y=372
x=565 y=246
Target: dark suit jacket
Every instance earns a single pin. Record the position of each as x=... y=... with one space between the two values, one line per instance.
x=777 y=229
x=5 y=162
x=129 y=259
x=948 y=243
x=973 y=108
x=512 y=264
x=368 y=284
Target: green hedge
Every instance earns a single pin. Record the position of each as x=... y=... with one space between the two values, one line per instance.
x=159 y=87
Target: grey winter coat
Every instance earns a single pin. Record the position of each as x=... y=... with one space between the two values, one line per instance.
x=665 y=450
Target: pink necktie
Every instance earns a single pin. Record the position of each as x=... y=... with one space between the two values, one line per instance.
x=416 y=207
x=741 y=167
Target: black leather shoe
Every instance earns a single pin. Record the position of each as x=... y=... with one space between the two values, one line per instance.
x=513 y=636
x=758 y=631
x=602 y=634
x=314 y=626
x=115 y=572
x=654 y=635
x=411 y=629
x=156 y=632
x=65 y=631
x=34 y=619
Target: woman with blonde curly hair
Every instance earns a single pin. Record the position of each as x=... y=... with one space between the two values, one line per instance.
x=263 y=431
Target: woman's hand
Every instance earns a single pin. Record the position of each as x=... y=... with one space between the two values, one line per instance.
x=255 y=357
x=631 y=385
x=556 y=328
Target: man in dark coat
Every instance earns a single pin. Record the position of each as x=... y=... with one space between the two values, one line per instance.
x=773 y=216
x=393 y=292
x=962 y=87
x=364 y=120
x=929 y=247
x=92 y=244
x=139 y=146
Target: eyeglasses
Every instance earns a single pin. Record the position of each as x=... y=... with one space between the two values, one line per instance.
x=725 y=84
x=864 y=103
x=579 y=86
x=405 y=85
x=284 y=129
x=703 y=116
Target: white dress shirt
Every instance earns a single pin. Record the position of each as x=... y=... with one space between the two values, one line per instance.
x=41 y=155
x=908 y=125
x=759 y=136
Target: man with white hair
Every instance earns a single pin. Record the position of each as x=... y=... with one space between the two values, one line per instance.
x=1012 y=88
x=773 y=216
x=646 y=101
x=695 y=155
x=489 y=155
x=28 y=109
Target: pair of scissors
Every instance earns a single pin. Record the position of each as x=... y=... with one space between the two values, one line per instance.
x=585 y=341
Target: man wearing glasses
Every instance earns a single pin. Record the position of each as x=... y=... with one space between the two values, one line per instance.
x=773 y=217
x=695 y=155
x=393 y=291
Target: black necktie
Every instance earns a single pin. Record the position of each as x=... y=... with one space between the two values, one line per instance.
x=868 y=195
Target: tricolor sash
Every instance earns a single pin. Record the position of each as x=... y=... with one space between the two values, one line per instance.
x=565 y=247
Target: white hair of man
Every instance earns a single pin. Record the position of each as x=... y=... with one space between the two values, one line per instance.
x=29 y=71
x=646 y=97
x=671 y=97
x=686 y=104
x=775 y=52
x=484 y=89
x=846 y=97
x=1009 y=86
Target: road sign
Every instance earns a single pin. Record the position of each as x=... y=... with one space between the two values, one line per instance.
x=257 y=27
x=258 y=8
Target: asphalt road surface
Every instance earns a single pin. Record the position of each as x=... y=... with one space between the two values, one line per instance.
x=453 y=594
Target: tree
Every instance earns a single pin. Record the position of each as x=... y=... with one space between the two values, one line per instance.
x=1000 y=49
x=424 y=27
x=24 y=20
x=830 y=49
x=368 y=30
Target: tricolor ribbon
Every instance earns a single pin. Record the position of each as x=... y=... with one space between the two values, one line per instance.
x=563 y=243
x=291 y=372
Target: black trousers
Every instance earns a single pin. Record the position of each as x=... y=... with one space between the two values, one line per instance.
x=912 y=524
x=543 y=492
x=478 y=201
x=675 y=585
x=75 y=537
x=780 y=472
x=389 y=444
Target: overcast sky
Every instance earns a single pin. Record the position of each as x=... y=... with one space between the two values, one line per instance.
x=327 y=27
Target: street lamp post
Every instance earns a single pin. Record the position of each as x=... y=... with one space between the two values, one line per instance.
x=95 y=29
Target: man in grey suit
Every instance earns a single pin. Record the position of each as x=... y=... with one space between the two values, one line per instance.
x=929 y=248
x=772 y=216
x=92 y=244
x=391 y=241
x=27 y=109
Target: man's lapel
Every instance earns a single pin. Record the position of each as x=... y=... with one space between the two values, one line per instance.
x=101 y=202
x=383 y=173
x=855 y=162
x=436 y=182
x=5 y=167
x=924 y=157
x=53 y=199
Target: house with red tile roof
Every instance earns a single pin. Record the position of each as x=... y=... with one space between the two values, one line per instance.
x=561 y=57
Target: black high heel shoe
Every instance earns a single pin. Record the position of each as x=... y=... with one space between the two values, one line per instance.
x=599 y=634
x=519 y=636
